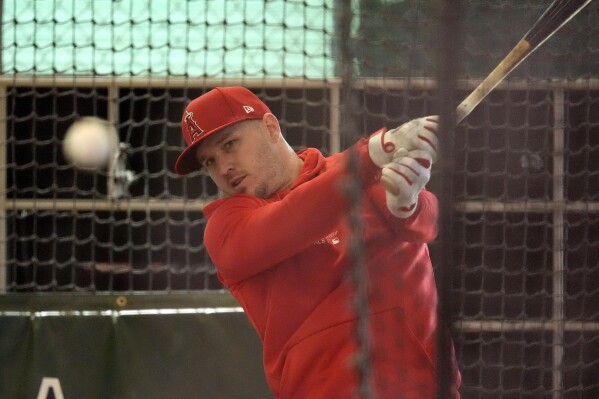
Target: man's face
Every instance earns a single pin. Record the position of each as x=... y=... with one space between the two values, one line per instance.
x=242 y=158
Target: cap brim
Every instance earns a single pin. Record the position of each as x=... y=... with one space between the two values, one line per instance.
x=187 y=162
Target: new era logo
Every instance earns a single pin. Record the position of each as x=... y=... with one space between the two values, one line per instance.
x=248 y=109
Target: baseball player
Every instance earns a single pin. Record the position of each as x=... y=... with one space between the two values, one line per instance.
x=279 y=239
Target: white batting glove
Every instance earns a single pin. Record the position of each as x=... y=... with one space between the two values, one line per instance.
x=409 y=171
x=417 y=134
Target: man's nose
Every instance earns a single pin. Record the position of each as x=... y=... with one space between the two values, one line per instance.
x=225 y=165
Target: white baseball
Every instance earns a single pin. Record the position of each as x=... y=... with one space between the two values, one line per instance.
x=90 y=142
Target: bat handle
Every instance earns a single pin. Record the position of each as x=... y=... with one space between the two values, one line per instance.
x=389 y=185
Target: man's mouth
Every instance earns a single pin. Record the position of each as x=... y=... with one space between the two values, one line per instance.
x=235 y=182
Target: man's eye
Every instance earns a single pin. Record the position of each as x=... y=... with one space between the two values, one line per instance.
x=229 y=143
x=208 y=162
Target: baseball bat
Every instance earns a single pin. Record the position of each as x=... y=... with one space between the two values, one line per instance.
x=555 y=16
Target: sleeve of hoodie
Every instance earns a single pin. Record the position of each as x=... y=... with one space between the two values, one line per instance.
x=246 y=235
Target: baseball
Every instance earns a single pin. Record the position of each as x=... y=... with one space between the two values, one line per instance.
x=90 y=142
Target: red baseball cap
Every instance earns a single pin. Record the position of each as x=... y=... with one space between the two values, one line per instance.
x=212 y=112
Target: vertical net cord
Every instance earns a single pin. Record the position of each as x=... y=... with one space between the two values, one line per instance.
x=353 y=190
x=3 y=139
x=449 y=28
x=359 y=276
x=558 y=233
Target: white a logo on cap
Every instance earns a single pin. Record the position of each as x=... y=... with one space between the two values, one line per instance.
x=193 y=130
x=248 y=109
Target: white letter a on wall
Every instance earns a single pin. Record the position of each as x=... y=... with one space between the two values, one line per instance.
x=50 y=384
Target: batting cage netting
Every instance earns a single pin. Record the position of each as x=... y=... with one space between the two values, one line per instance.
x=517 y=256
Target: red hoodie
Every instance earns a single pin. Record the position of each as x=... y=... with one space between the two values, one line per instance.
x=285 y=260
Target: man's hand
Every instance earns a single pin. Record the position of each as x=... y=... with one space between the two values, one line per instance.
x=409 y=171
x=417 y=134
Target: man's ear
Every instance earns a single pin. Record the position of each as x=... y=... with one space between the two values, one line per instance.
x=272 y=125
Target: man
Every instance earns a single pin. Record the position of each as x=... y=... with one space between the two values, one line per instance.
x=279 y=241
